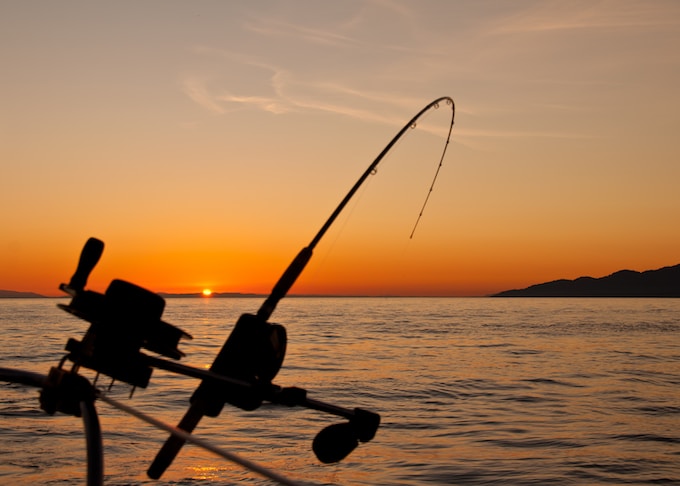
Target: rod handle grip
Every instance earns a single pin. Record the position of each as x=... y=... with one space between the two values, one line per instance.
x=173 y=445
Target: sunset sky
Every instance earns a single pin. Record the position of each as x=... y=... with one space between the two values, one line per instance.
x=207 y=142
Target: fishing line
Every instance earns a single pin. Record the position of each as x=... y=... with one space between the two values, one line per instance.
x=412 y=125
x=372 y=168
x=261 y=470
x=436 y=174
x=336 y=237
x=360 y=189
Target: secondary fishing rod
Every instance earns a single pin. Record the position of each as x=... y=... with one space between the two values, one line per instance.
x=255 y=350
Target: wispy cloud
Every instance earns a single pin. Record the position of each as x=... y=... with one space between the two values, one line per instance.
x=376 y=28
x=288 y=66
x=605 y=14
x=491 y=133
x=356 y=60
x=271 y=105
x=276 y=28
x=196 y=90
x=286 y=91
x=288 y=94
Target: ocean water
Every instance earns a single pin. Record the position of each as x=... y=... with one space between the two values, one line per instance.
x=470 y=391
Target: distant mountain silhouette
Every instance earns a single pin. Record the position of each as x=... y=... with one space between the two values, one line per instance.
x=664 y=282
x=11 y=294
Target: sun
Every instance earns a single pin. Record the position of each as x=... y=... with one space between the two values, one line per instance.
x=207 y=292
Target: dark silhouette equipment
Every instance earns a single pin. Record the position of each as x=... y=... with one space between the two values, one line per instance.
x=127 y=318
x=126 y=323
x=123 y=320
x=332 y=444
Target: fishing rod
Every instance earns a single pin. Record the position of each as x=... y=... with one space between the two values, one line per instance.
x=256 y=348
x=126 y=318
x=294 y=270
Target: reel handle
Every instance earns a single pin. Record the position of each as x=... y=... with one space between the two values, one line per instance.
x=89 y=257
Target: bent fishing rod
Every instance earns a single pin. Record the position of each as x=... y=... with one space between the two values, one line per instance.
x=127 y=318
x=255 y=349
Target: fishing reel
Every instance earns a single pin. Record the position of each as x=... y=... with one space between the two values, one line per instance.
x=122 y=320
x=127 y=318
x=253 y=353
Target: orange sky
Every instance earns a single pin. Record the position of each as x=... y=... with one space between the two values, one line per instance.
x=206 y=143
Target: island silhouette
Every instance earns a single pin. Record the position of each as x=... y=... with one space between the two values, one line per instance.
x=663 y=282
x=11 y=294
